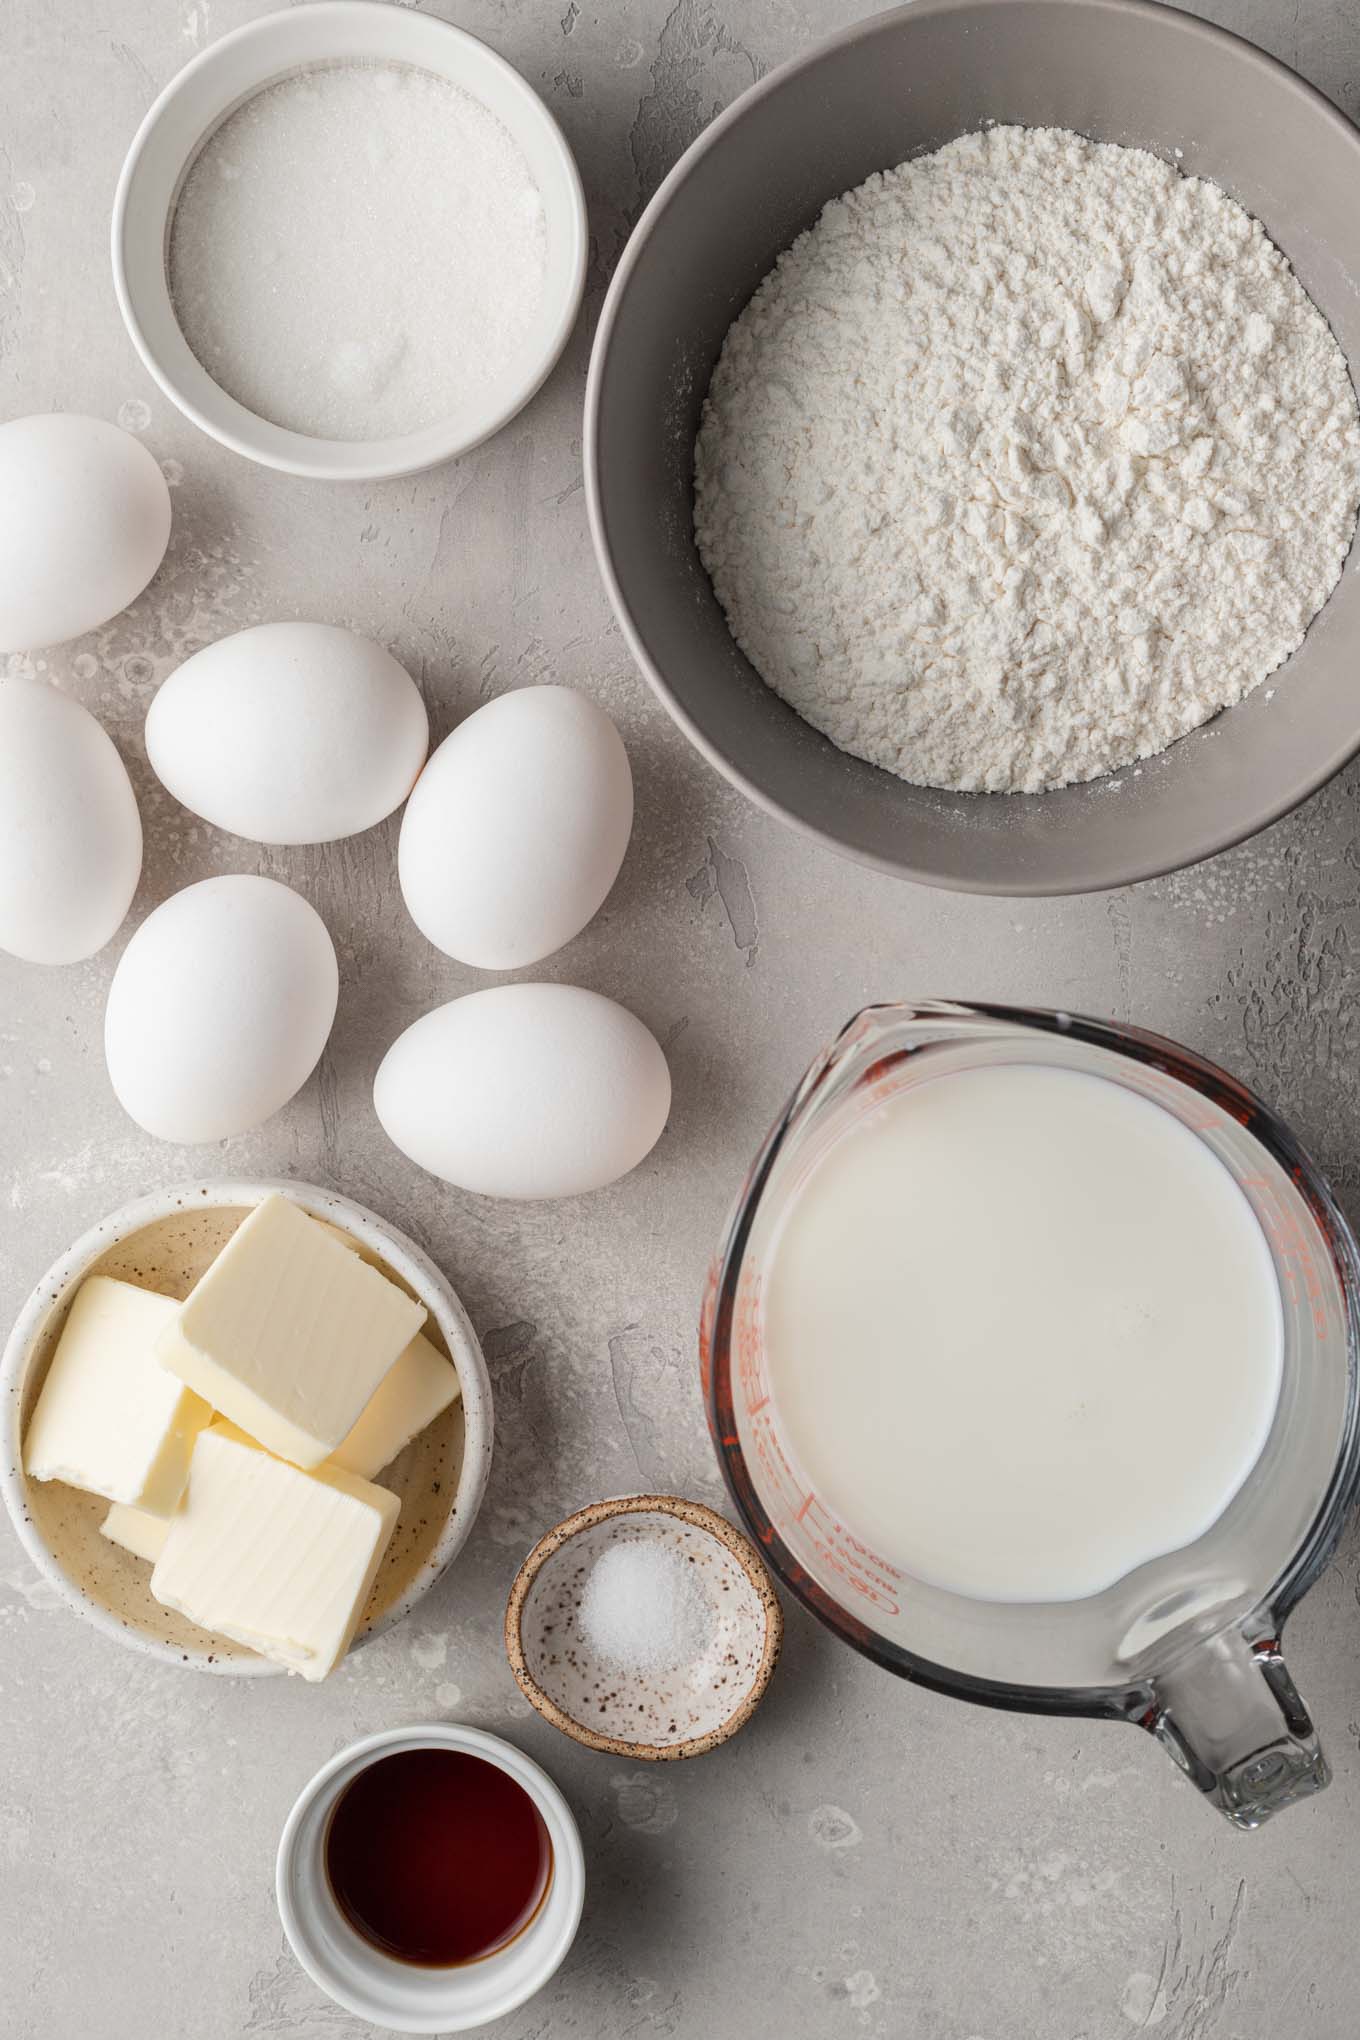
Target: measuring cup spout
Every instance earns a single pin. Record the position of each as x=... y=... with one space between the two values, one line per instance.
x=1230 y=1715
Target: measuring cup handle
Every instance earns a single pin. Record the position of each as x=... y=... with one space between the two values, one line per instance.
x=1230 y=1715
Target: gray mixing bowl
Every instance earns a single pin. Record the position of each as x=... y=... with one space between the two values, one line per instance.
x=896 y=85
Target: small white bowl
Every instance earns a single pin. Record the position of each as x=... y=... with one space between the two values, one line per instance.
x=401 y=1995
x=165 y=1241
x=233 y=70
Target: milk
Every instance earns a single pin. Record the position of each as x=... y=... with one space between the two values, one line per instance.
x=1022 y=1332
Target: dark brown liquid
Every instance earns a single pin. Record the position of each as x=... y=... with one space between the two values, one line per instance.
x=437 y=1857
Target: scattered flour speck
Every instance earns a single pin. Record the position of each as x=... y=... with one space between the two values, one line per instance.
x=861 y=1987
x=831 y=1827
x=430 y=1650
x=1143 y=2001
x=645 y=1801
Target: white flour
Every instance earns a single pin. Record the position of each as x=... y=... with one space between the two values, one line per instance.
x=1022 y=462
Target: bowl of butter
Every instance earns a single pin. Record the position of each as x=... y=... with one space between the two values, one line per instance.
x=244 y=1426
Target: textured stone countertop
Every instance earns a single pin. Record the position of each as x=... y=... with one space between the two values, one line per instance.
x=866 y=1859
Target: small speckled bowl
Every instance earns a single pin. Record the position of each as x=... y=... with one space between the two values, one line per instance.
x=656 y=1714
x=164 y=1242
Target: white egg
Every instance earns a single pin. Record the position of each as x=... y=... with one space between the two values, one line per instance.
x=70 y=834
x=84 y=523
x=219 y=1008
x=517 y=828
x=289 y=733
x=525 y=1091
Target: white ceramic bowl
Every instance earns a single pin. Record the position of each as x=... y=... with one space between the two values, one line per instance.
x=195 y=102
x=400 y=1995
x=165 y=1241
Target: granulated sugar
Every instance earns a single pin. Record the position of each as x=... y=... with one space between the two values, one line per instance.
x=358 y=251
x=643 y=1606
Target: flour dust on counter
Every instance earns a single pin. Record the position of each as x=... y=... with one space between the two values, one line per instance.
x=357 y=251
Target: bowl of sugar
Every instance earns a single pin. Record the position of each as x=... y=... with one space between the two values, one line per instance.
x=645 y=1626
x=349 y=241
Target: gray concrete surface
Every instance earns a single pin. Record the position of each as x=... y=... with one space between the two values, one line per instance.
x=866 y=1859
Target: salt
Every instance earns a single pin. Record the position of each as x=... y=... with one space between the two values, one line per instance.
x=644 y=1607
x=358 y=252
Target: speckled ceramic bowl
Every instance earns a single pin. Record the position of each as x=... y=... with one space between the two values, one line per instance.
x=164 y=1242
x=674 y=1711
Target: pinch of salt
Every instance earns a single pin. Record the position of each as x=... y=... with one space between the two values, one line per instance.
x=644 y=1606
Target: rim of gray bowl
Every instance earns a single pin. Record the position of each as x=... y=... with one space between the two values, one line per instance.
x=401 y=1253
x=1130 y=871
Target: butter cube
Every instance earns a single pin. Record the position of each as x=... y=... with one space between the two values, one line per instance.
x=288 y=1333
x=108 y=1417
x=278 y=1559
x=417 y=1389
x=137 y=1530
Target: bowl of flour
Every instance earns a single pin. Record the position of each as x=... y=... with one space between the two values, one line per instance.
x=972 y=446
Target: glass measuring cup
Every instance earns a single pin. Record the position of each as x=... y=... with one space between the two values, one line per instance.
x=1186 y=1645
